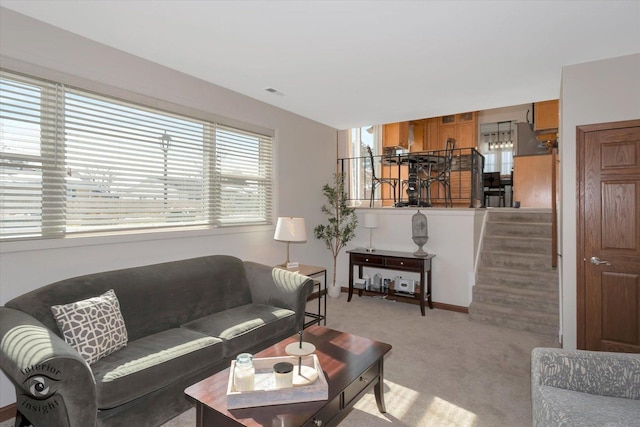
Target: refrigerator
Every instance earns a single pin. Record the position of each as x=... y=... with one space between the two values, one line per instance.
x=525 y=142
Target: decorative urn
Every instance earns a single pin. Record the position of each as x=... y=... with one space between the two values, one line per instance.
x=420 y=233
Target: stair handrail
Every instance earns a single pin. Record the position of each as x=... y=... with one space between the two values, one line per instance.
x=554 y=208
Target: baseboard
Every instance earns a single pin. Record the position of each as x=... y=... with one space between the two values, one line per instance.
x=450 y=307
x=8 y=412
x=438 y=305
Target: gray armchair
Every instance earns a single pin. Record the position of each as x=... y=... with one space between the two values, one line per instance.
x=585 y=388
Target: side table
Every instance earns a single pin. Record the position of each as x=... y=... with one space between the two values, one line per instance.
x=316 y=272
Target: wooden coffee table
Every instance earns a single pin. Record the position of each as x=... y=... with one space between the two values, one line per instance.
x=351 y=364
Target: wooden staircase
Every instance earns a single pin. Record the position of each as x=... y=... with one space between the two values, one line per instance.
x=516 y=286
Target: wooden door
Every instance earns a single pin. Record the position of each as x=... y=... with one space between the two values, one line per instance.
x=608 y=292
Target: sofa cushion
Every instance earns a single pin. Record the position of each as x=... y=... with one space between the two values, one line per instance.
x=94 y=326
x=152 y=298
x=245 y=326
x=151 y=363
x=561 y=407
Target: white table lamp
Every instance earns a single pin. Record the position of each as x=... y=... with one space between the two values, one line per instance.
x=289 y=229
x=370 y=222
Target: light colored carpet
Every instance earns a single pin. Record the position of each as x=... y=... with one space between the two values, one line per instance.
x=443 y=370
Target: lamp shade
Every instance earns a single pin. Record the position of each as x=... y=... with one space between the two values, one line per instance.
x=289 y=229
x=370 y=220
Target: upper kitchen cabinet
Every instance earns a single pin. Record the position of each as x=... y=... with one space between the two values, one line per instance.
x=431 y=134
x=546 y=115
x=463 y=127
x=420 y=131
x=396 y=135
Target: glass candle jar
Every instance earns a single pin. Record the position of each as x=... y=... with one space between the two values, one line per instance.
x=244 y=373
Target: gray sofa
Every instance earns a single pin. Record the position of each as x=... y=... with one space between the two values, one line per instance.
x=185 y=320
x=585 y=388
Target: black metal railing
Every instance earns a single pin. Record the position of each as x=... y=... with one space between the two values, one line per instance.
x=415 y=179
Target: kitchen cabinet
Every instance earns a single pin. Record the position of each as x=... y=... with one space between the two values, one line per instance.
x=432 y=134
x=546 y=115
x=431 y=137
x=461 y=182
x=419 y=135
x=396 y=135
x=463 y=127
x=467 y=134
x=446 y=131
x=532 y=180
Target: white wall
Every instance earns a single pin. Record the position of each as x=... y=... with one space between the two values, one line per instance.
x=593 y=92
x=299 y=143
x=453 y=237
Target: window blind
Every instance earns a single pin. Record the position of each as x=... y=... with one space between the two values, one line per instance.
x=243 y=172
x=32 y=194
x=76 y=162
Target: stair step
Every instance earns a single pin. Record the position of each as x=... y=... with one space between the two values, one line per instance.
x=532 y=245
x=516 y=260
x=517 y=229
x=520 y=215
x=520 y=319
x=516 y=287
x=533 y=299
x=508 y=278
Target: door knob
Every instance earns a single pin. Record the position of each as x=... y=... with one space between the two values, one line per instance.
x=597 y=261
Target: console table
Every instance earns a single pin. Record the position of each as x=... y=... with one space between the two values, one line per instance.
x=392 y=260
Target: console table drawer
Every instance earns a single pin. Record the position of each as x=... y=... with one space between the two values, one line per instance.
x=366 y=379
x=368 y=259
x=404 y=263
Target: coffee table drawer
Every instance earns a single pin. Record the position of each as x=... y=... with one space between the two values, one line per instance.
x=326 y=414
x=366 y=379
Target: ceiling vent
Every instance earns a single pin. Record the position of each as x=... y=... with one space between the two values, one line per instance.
x=274 y=91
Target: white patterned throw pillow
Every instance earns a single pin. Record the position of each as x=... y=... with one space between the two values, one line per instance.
x=94 y=327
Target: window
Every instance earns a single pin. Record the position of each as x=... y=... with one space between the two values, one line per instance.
x=496 y=145
x=72 y=161
x=358 y=166
x=500 y=160
x=506 y=166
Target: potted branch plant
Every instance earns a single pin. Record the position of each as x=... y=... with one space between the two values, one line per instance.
x=341 y=227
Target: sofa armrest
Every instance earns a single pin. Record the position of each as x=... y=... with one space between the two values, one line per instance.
x=593 y=372
x=54 y=385
x=279 y=288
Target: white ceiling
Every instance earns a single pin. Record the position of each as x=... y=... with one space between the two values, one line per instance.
x=353 y=63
